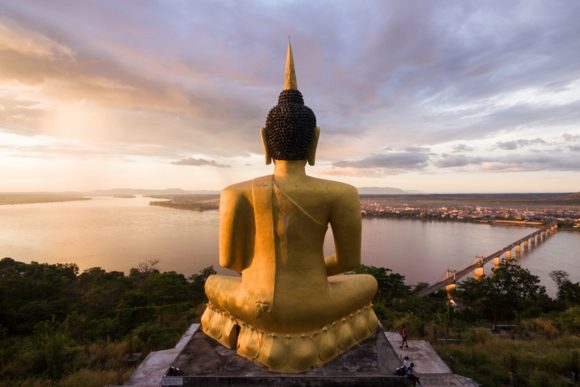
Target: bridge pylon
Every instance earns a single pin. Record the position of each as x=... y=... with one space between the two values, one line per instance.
x=478 y=273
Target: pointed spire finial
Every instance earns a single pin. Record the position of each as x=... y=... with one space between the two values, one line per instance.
x=290 y=79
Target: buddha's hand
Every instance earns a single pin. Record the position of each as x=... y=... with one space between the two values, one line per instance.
x=262 y=307
x=330 y=260
x=332 y=267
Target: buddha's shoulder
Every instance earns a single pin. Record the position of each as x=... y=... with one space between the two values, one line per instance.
x=237 y=189
x=244 y=188
x=332 y=187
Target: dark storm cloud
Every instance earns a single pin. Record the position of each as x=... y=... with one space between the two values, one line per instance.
x=199 y=163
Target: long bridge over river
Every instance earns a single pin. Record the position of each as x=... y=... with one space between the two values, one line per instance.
x=452 y=276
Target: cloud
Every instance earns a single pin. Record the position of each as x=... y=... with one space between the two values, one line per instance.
x=515 y=144
x=462 y=148
x=570 y=137
x=417 y=149
x=355 y=172
x=538 y=161
x=452 y=161
x=393 y=161
x=464 y=71
x=199 y=162
x=452 y=56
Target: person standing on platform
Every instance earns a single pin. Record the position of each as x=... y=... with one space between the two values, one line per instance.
x=404 y=334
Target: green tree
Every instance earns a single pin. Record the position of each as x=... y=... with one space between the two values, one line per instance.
x=510 y=292
x=99 y=291
x=391 y=286
x=52 y=349
x=197 y=284
x=568 y=291
x=30 y=293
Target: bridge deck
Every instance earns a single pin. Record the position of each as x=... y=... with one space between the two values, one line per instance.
x=470 y=268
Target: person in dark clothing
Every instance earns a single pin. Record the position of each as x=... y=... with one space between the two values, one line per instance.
x=402 y=370
x=410 y=375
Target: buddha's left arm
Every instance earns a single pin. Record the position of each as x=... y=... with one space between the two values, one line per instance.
x=346 y=223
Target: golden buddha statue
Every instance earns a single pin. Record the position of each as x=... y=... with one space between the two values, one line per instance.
x=291 y=309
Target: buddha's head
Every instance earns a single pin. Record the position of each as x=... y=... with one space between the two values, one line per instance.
x=290 y=132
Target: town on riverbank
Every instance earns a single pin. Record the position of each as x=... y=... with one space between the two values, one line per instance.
x=506 y=209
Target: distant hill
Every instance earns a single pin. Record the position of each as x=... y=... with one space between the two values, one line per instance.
x=383 y=191
x=179 y=191
x=571 y=198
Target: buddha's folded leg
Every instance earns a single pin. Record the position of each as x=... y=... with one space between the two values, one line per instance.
x=348 y=305
x=217 y=321
x=320 y=330
x=223 y=290
x=351 y=292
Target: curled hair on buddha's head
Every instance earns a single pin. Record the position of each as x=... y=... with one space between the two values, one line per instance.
x=289 y=127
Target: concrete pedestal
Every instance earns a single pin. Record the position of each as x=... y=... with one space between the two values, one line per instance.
x=204 y=362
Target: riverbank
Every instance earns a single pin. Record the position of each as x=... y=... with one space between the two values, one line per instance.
x=188 y=202
x=32 y=198
x=563 y=224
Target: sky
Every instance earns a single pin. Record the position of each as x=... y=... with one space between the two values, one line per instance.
x=430 y=96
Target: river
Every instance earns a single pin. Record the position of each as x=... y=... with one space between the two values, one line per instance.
x=118 y=234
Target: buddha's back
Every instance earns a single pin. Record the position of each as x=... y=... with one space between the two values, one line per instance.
x=302 y=210
x=290 y=309
x=286 y=222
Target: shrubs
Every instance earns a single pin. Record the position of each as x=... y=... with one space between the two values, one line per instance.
x=510 y=292
x=95 y=378
x=55 y=323
x=52 y=348
x=479 y=336
x=541 y=326
x=502 y=360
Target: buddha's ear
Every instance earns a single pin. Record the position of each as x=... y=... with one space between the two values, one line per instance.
x=265 y=143
x=311 y=157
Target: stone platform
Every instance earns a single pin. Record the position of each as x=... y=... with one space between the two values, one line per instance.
x=204 y=362
x=429 y=367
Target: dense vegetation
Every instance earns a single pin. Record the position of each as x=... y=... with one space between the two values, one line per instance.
x=57 y=325
x=501 y=330
x=65 y=328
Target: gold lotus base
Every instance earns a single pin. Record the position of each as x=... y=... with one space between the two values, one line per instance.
x=289 y=353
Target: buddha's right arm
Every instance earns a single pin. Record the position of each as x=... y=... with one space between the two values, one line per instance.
x=233 y=229
x=346 y=223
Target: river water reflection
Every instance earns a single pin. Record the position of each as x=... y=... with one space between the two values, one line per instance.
x=117 y=234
